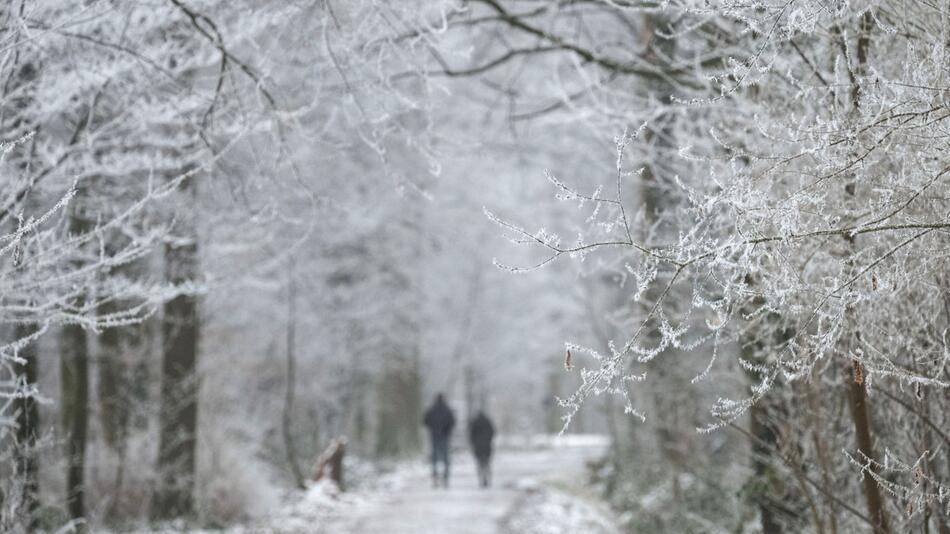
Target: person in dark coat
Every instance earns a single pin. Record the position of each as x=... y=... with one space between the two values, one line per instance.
x=440 y=421
x=481 y=432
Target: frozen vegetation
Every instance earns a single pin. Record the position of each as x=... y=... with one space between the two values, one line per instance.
x=529 y=497
x=244 y=245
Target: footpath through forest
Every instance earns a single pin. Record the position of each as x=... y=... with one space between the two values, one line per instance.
x=540 y=489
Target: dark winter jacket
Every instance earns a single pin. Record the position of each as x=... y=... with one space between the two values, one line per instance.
x=439 y=419
x=481 y=432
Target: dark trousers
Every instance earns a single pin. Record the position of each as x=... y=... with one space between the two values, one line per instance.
x=440 y=454
x=484 y=470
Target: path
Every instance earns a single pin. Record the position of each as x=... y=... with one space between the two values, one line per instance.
x=538 y=490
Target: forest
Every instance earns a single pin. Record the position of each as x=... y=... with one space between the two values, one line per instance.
x=692 y=257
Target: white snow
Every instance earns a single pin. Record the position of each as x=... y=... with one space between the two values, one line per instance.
x=537 y=490
x=526 y=497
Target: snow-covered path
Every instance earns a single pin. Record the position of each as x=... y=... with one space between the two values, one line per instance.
x=536 y=491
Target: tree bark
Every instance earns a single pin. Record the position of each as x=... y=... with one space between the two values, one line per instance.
x=75 y=406
x=862 y=432
x=118 y=346
x=74 y=376
x=657 y=182
x=27 y=431
x=287 y=419
x=762 y=466
x=816 y=409
x=26 y=458
x=857 y=394
x=178 y=414
x=113 y=383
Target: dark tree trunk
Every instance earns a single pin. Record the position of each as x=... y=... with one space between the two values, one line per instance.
x=862 y=433
x=113 y=383
x=27 y=431
x=74 y=375
x=178 y=414
x=75 y=406
x=119 y=346
x=660 y=202
x=756 y=342
x=765 y=441
x=857 y=393
x=18 y=98
x=287 y=419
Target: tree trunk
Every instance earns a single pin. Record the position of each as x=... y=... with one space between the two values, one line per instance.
x=762 y=447
x=74 y=378
x=118 y=346
x=287 y=418
x=862 y=433
x=111 y=388
x=816 y=409
x=755 y=343
x=178 y=414
x=27 y=430
x=857 y=393
x=75 y=406
x=26 y=458
x=660 y=199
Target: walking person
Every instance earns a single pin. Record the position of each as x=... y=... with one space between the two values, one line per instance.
x=481 y=431
x=440 y=421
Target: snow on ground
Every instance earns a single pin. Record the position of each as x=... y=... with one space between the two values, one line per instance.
x=539 y=488
x=532 y=494
x=547 y=510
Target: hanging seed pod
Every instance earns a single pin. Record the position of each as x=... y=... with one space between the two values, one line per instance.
x=918 y=391
x=567 y=360
x=873 y=281
x=18 y=246
x=17 y=255
x=910 y=508
x=858 y=372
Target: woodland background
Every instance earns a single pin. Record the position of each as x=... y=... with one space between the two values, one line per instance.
x=232 y=231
